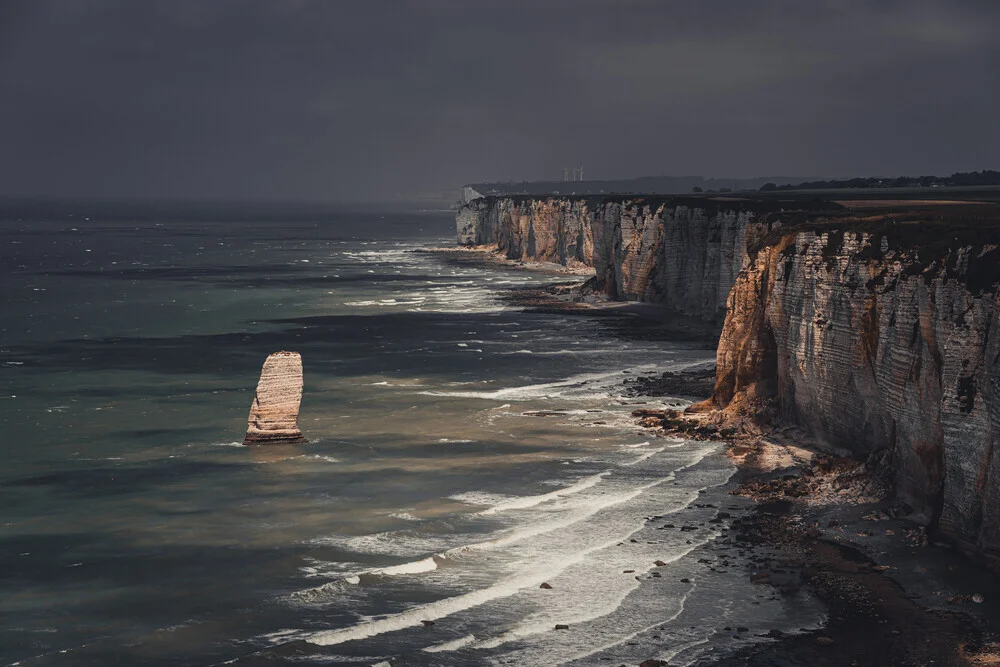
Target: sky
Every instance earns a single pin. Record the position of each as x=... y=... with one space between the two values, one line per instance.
x=336 y=100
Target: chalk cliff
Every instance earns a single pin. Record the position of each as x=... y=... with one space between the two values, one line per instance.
x=881 y=336
x=877 y=334
x=275 y=410
x=682 y=252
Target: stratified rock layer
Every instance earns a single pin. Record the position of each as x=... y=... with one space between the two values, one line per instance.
x=275 y=410
x=681 y=252
x=884 y=341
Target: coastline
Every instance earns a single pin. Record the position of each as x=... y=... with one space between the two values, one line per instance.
x=819 y=524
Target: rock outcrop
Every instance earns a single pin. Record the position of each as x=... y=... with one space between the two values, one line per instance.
x=881 y=337
x=275 y=410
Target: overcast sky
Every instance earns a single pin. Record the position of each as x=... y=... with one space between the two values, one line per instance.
x=331 y=100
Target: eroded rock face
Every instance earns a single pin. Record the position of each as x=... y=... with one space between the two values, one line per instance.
x=682 y=253
x=275 y=410
x=881 y=349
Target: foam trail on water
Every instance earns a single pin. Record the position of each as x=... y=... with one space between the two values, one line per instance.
x=572 y=386
x=428 y=564
x=531 y=501
x=452 y=645
x=644 y=456
x=415 y=567
x=583 y=511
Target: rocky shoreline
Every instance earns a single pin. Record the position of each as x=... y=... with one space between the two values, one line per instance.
x=831 y=527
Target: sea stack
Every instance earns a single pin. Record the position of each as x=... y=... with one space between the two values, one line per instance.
x=275 y=410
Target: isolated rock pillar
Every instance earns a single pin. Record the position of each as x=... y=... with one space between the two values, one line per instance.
x=275 y=410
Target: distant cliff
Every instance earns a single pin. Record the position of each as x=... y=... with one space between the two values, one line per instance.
x=878 y=335
x=682 y=252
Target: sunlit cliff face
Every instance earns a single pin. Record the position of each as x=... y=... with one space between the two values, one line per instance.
x=881 y=350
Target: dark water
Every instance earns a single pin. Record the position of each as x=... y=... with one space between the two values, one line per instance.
x=461 y=453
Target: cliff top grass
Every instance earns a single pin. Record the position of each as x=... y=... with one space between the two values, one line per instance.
x=929 y=226
x=929 y=234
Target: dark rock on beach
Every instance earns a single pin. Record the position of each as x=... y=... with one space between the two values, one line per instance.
x=697 y=384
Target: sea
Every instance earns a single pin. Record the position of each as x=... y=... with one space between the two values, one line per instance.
x=474 y=490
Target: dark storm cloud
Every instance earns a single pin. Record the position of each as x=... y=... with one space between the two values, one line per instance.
x=335 y=100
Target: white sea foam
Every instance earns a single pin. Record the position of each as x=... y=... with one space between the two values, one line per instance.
x=401 y=544
x=452 y=645
x=524 y=502
x=479 y=498
x=431 y=611
x=575 y=387
x=321 y=457
x=416 y=567
x=331 y=588
x=644 y=456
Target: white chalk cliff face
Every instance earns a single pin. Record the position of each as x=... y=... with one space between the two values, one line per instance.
x=680 y=252
x=883 y=347
x=275 y=410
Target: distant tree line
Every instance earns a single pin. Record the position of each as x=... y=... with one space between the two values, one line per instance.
x=960 y=178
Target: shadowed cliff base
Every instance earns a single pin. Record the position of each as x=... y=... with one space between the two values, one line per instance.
x=877 y=335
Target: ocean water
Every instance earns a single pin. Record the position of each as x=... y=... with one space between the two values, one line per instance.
x=461 y=453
